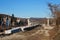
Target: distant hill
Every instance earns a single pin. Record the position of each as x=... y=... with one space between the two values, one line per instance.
x=39 y=20
x=2 y=15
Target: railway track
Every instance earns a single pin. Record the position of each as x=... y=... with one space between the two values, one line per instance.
x=18 y=29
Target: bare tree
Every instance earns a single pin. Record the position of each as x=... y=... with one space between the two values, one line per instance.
x=55 y=10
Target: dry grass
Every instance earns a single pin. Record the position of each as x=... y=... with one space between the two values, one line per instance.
x=34 y=34
x=27 y=35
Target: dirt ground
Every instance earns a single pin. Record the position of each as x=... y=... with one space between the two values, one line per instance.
x=34 y=34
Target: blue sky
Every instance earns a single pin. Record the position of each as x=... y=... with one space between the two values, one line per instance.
x=26 y=8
